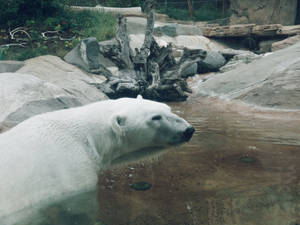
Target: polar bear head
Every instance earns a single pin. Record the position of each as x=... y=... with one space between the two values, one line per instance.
x=145 y=128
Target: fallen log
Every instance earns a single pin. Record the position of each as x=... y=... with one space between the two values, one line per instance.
x=246 y=30
x=289 y=30
x=266 y=30
x=242 y=30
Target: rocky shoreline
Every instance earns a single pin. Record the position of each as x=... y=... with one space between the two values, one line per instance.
x=48 y=83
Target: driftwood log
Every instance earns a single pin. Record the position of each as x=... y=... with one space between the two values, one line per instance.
x=246 y=30
x=151 y=71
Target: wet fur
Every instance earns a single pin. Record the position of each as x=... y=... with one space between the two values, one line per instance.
x=50 y=163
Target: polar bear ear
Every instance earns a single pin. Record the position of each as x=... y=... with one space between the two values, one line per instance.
x=118 y=122
x=139 y=97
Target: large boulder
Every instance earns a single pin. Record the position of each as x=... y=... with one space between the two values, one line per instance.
x=10 y=66
x=190 y=71
x=263 y=11
x=137 y=25
x=86 y=55
x=212 y=62
x=174 y=29
x=238 y=58
x=23 y=96
x=79 y=84
x=180 y=35
x=179 y=42
x=272 y=81
x=285 y=43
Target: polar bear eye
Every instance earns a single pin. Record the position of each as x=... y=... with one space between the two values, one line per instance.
x=156 y=117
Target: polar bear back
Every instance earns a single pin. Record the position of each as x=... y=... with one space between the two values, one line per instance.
x=56 y=155
x=31 y=174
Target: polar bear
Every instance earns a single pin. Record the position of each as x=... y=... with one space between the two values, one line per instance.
x=49 y=163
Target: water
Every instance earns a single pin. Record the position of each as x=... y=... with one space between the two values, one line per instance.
x=241 y=167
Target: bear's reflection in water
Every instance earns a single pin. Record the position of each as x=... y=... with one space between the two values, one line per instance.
x=241 y=167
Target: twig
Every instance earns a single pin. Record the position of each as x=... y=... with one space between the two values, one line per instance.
x=14 y=44
x=66 y=39
x=16 y=30
x=44 y=35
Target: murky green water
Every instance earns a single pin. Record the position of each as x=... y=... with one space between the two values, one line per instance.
x=241 y=167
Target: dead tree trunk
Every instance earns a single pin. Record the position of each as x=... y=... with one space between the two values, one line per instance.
x=152 y=71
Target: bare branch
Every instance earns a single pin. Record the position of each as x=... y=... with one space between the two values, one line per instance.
x=18 y=30
x=14 y=44
x=50 y=34
x=55 y=34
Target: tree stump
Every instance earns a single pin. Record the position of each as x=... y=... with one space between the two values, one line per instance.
x=152 y=71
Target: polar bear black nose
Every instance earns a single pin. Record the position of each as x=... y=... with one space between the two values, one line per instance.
x=188 y=133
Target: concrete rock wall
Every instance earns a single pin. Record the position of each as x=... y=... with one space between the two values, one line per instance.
x=263 y=11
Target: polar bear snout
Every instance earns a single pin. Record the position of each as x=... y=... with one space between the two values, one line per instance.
x=188 y=133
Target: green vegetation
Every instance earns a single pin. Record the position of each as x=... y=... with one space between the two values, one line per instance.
x=17 y=12
x=3 y=52
x=37 y=16
x=71 y=26
x=122 y=3
x=111 y=3
x=206 y=12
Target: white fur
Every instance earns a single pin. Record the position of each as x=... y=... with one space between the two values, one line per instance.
x=55 y=155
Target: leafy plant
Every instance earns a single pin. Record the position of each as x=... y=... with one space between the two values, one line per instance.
x=90 y=23
x=204 y=13
x=37 y=16
x=122 y=3
x=81 y=24
x=17 y=12
x=3 y=52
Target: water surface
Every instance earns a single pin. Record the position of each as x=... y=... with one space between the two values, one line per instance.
x=242 y=167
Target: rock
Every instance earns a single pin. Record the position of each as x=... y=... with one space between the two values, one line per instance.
x=234 y=19
x=86 y=56
x=175 y=29
x=179 y=42
x=185 y=29
x=169 y=30
x=272 y=81
x=266 y=45
x=107 y=63
x=263 y=11
x=244 y=57
x=137 y=25
x=3 y=128
x=285 y=43
x=23 y=96
x=77 y=83
x=10 y=66
x=229 y=53
x=250 y=43
x=177 y=53
x=212 y=62
x=190 y=71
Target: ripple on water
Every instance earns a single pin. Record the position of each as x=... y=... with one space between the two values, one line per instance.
x=241 y=167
